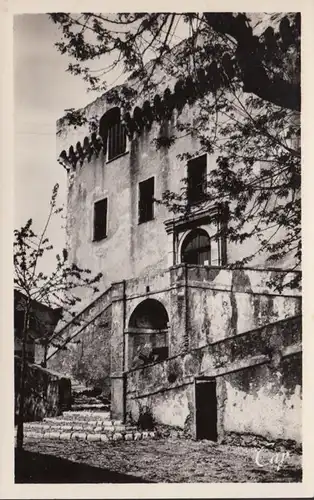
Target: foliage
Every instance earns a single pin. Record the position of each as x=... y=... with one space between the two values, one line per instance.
x=240 y=73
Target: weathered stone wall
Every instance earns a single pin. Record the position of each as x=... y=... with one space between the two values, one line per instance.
x=265 y=400
x=131 y=249
x=223 y=303
x=86 y=357
x=206 y=305
x=258 y=378
x=46 y=393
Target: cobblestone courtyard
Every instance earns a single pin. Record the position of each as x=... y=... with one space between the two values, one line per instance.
x=162 y=461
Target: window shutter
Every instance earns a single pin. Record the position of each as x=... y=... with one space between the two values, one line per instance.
x=100 y=219
x=146 y=200
x=196 y=179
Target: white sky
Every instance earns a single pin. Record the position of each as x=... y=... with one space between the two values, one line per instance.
x=42 y=91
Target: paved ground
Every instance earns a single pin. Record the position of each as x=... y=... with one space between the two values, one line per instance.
x=162 y=461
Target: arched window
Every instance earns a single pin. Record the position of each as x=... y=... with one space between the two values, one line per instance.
x=196 y=248
x=113 y=133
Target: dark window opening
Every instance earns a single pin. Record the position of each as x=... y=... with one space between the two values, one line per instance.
x=116 y=140
x=113 y=133
x=196 y=189
x=100 y=219
x=146 y=200
x=196 y=248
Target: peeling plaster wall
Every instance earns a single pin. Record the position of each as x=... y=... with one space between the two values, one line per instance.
x=216 y=315
x=272 y=393
x=92 y=182
x=206 y=305
x=216 y=305
x=258 y=378
x=130 y=249
x=224 y=303
x=169 y=407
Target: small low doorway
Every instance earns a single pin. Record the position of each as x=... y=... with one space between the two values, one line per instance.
x=206 y=408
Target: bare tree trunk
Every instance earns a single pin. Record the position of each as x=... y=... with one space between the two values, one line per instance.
x=20 y=427
x=44 y=363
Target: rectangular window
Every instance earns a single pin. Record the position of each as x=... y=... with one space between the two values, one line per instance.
x=100 y=220
x=196 y=179
x=116 y=140
x=146 y=200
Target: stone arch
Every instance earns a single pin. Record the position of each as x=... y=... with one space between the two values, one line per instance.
x=149 y=314
x=147 y=333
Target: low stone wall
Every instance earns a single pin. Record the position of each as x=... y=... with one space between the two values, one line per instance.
x=258 y=376
x=47 y=393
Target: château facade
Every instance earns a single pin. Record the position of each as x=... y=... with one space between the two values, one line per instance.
x=212 y=349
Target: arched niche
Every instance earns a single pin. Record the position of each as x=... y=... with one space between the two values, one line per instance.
x=147 y=334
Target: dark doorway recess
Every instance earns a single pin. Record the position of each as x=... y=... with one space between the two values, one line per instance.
x=206 y=408
x=196 y=248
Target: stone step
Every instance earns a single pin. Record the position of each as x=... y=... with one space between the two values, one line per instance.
x=85 y=400
x=91 y=401
x=83 y=421
x=79 y=386
x=86 y=397
x=93 y=422
x=74 y=421
x=86 y=415
x=66 y=435
x=84 y=407
x=47 y=427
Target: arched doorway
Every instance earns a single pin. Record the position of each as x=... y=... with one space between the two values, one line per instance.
x=147 y=333
x=196 y=248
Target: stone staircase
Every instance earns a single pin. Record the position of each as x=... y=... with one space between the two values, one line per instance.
x=89 y=419
x=84 y=425
x=85 y=398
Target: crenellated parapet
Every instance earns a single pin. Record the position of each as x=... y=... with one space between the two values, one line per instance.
x=214 y=75
x=160 y=107
x=91 y=145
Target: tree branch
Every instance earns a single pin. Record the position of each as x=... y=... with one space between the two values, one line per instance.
x=255 y=79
